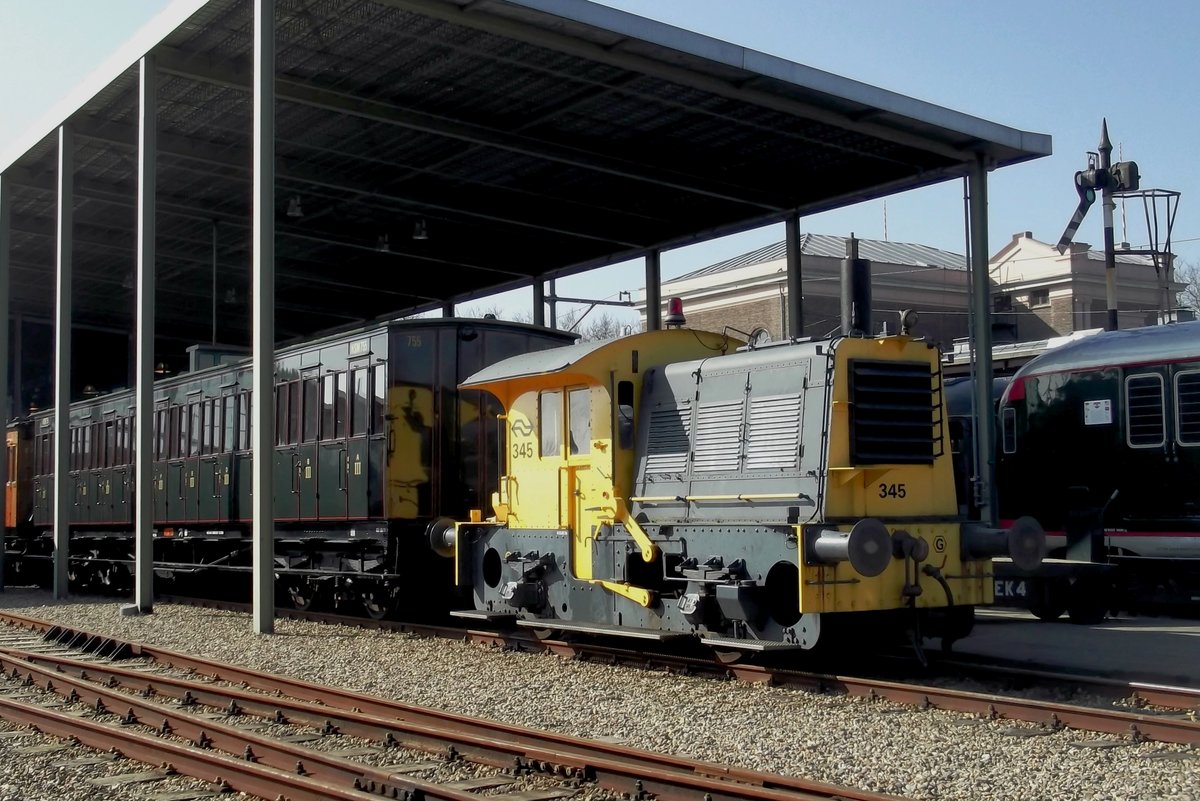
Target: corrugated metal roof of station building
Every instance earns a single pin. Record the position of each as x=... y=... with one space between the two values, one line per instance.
x=834 y=247
x=525 y=139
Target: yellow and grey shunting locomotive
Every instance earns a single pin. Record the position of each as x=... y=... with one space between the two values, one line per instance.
x=680 y=483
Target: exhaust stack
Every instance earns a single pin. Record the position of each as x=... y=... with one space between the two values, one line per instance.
x=856 y=292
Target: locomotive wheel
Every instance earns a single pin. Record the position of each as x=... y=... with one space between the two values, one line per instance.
x=1049 y=599
x=303 y=595
x=378 y=602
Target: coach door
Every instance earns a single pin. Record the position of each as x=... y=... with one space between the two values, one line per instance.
x=365 y=447
x=288 y=410
x=162 y=451
x=212 y=477
x=122 y=471
x=1150 y=443
x=306 y=448
x=81 y=453
x=333 y=450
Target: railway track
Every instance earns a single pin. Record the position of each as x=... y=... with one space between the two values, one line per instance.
x=182 y=711
x=1127 y=696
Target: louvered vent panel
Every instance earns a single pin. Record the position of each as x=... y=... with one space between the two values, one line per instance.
x=667 y=448
x=891 y=413
x=1144 y=411
x=718 y=437
x=1188 y=389
x=773 y=442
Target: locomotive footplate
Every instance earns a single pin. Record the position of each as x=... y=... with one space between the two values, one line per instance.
x=497 y=618
x=657 y=635
x=755 y=646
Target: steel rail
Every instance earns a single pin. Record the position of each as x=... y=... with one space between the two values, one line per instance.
x=616 y=768
x=324 y=769
x=1055 y=715
x=227 y=772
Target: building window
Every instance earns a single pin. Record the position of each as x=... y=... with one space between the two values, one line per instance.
x=1039 y=297
x=1002 y=303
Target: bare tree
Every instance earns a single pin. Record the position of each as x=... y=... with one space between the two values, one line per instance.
x=500 y=313
x=1188 y=273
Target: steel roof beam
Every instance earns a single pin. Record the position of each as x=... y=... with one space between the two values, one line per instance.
x=612 y=55
x=178 y=64
x=550 y=216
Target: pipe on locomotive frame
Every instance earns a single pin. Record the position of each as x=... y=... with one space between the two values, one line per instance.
x=144 y=356
x=856 y=292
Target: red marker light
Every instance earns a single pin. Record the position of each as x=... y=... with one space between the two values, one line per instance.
x=674 y=313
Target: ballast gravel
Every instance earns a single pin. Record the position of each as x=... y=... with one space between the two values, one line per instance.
x=870 y=745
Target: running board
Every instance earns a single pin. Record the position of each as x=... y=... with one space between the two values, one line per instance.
x=603 y=629
x=754 y=646
x=484 y=616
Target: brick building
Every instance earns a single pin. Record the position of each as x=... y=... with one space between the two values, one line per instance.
x=1037 y=293
x=750 y=291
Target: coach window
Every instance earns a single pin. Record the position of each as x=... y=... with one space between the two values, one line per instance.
x=1008 y=429
x=340 y=408
x=243 y=404
x=229 y=421
x=295 y=412
x=580 y=420
x=379 y=396
x=550 y=423
x=360 y=417
x=328 y=406
x=1145 y=418
x=312 y=408
x=1187 y=407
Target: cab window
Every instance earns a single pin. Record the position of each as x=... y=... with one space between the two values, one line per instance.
x=550 y=423
x=580 y=419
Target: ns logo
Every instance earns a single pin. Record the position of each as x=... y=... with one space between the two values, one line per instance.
x=522 y=427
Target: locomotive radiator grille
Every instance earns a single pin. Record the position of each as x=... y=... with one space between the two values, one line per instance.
x=892 y=406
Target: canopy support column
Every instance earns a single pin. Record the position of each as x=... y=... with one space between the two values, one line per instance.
x=5 y=410
x=144 y=337
x=985 y=422
x=262 y=236
x=654 y=290
x=64 y=486
x=795 y=298
x=539 y=303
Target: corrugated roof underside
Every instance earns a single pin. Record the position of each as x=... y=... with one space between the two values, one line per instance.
x=522 y=155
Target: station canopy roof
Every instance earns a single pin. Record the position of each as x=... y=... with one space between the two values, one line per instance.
x=433 y=150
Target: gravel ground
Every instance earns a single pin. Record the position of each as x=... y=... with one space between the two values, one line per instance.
x=866 y=744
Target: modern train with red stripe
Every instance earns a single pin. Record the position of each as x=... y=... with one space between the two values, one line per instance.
x=1105 y=431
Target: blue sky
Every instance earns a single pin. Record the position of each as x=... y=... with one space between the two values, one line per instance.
x=1052 y=67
